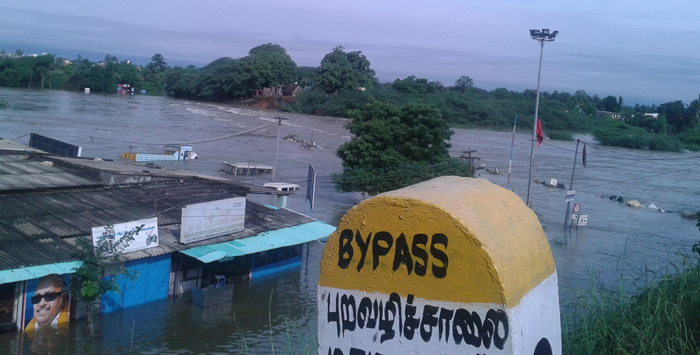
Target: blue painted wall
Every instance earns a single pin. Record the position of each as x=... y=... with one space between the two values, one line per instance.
x=150 y=285
x=273 y=268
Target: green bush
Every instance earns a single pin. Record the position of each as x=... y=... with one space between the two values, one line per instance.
x=664 y=143
x=690 y=137
x=620 y=134
x=560 y=135
x=308 y=103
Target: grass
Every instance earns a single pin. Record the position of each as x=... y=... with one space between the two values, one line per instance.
x=663 y=318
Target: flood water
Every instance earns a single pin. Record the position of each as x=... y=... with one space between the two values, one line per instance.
x=279 y=313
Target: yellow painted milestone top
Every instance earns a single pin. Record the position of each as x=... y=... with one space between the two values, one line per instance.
x=453 y=239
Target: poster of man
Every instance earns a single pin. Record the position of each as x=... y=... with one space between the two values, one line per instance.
x=47 y=305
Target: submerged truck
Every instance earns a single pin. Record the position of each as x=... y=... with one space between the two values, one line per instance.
x=170 y=152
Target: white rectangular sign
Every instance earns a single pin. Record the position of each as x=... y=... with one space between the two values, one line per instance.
x=146 y=238
x=570 y=195
x=583 y=220
x=212 y=219
x=574 y=216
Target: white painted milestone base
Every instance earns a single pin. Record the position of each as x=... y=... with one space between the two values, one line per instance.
x=534 y=318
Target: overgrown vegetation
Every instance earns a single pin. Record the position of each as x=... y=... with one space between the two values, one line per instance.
x=51 y=72
x=621 y=134
x=663 y=318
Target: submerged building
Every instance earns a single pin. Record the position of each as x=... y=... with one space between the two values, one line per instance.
x=201 y=234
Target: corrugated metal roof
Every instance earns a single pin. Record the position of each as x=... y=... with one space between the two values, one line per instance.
x=38 y=225
x=264 y=241
x=8 y=146
x=26 y=172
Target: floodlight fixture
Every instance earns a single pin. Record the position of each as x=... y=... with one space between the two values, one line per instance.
x=543 y=35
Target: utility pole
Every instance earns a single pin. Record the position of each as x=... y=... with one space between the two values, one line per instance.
x=467 y=155
x=277 y=145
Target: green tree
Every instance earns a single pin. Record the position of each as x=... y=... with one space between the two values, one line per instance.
x=89 y=283
x=157 y=61
x=610 y=104
x=43 y=67
x=464 y=83
x=395 y=147
x=341 y=70
x=181 y=81
x=676 y=115
x=306 y=76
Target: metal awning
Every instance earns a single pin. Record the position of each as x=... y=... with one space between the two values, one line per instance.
x=34 y=272
x=278 y=238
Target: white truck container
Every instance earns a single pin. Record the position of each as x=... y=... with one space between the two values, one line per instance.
x=170 y=152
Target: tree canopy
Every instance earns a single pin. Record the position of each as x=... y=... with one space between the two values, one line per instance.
x=464 y=83
x=157 y=61
x=395 y=147
x=344 y=70
x=229 y=79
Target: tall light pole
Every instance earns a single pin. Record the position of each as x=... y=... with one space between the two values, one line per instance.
x=543 y=37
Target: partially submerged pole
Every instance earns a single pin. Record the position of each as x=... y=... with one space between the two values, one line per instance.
x=571 y=184
x=277 y=145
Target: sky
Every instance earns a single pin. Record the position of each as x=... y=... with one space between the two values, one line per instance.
x=646 y=51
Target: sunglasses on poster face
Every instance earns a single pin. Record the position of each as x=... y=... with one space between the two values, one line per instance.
x=47 y=296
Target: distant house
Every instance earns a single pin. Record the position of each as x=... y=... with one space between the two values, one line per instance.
x=614 y=115
x=279 y=90
x=124 y=89
x=292 y=90
x=652 y=115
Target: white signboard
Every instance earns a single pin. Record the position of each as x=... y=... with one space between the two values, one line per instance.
x=583 y=220
x=212 y=219
x=574 y=216
x=146 y=238
x=570 y=195
x=577 y=207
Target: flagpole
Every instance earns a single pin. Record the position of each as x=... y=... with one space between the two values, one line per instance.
x=512 y=142
x=571 y=184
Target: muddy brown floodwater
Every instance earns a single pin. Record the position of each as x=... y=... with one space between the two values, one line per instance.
x=619 y=242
